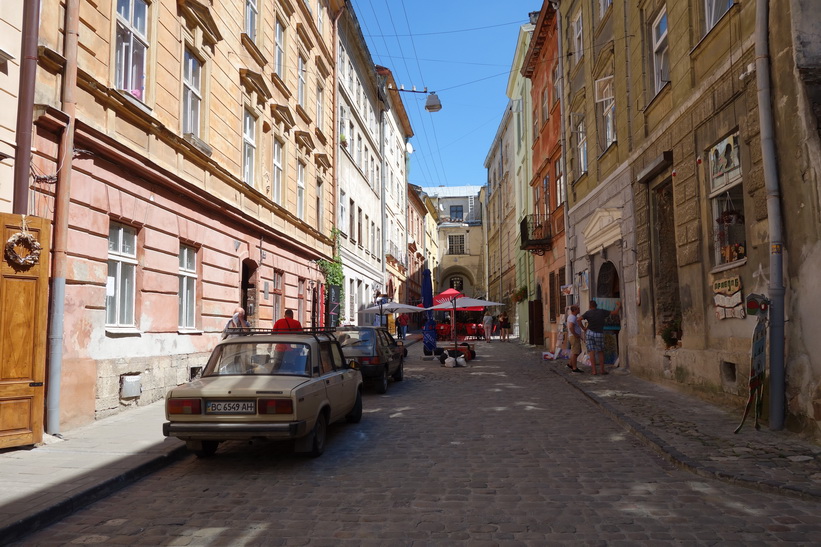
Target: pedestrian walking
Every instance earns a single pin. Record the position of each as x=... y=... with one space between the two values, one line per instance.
x=403 y=320
x=487 y=325
x=504 y=327
x=594 y=333
x=574 y=332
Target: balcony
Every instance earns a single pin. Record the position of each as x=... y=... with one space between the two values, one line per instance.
x=536 y=235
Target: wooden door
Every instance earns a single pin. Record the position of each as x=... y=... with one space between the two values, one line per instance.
x=536 y=334
x=23 y=326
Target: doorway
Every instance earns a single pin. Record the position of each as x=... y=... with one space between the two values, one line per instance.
x=248 y=292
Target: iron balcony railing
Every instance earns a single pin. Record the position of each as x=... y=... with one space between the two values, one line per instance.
x=536 y=235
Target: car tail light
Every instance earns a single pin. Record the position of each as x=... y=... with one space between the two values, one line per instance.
x=185 y=406
x=368 y=360
x=275 y=406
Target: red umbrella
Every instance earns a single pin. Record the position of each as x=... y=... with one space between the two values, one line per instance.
x=446 y=296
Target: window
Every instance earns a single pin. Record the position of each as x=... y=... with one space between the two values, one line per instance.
x=352 y=222
x=373 y=237
x=714 y=10
x=535 y=122
x=366 y=238
x=560 y=189
x=276 y=190
x=320 y=17
x=343 y=218
x=359 y=226
x=603 y=5
x=557 y=84
x=300 y=89
x=546 y=192
x=545 y=104
x=122 y=269
x=558 y=301
x=581 y=147
x=343 y=121
x=578 y=38
x=457 y=283
x=300 y=190
x=277 y=294
x=456 y=212
x=661 y=51
x=249 y=146
x=188 y=284
x=279 y=53
x=191 y=95
x=251 y=13
x=320 y=209
x=132 y=46
x=727 y=201
x=456 y=245
x=606 y=106
x=320 y=107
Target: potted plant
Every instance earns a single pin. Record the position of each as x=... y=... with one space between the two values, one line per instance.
x=343 y=140
x=519 y=295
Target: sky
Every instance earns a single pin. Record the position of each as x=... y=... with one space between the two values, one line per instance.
x=460 y=49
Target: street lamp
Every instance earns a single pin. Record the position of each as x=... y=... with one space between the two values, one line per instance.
x=432 y=103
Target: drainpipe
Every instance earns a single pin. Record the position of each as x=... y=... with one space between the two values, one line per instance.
x=25 y=104
x=563 y=137
x=774 y=220
x=61 y=210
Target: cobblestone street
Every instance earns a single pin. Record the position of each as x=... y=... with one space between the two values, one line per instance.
x=502 y=452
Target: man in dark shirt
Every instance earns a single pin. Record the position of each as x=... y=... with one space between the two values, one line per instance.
x=593 y=326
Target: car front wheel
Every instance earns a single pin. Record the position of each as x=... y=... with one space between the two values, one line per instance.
x=319 y=434
x=381 y=381
x=355 y=415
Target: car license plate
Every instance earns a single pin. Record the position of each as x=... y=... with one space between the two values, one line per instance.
x=230 y=407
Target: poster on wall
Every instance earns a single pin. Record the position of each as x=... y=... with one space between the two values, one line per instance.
x=727 y=298
x=583 y=280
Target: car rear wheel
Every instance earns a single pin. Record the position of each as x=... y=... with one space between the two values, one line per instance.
x=399 y=375
x=355 y=415
x=203 y=449
x=381 y=381
x=319 y=434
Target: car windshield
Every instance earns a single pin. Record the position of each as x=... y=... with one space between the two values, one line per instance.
x=254 y=358
x=356 y=339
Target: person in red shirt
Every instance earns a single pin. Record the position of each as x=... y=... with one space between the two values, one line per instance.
x=287 y=323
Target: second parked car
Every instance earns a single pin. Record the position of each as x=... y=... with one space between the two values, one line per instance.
x=379 y=355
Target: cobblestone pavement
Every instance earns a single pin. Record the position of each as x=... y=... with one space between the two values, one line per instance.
x=507 y=451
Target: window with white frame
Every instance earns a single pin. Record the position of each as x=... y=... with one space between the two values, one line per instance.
x=604 y=5
x=300 y=190
x=456 y=244
x=560 y=182
x=359 y=227
x=343 y=122
x=120 y=287
x=320 y=204
x=373 y=237
x=727 y=200
x=606 y=105
x=352 y=221
x=251 y=13
x=581 y=147
x=320 y=108
x=277 y=294
x=279 y=53
x=661 y=51
x=578 y=38
x=132 y=47
x=188 y=287
x=276 y=188
x=300 y=88
x=343 y=217
x=546 y=193
x=715 y=10
x=249 y=147
x=191 y=94
x=366 y=239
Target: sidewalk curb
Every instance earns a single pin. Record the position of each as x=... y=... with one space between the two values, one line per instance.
x=27 y=525
x=672 y=455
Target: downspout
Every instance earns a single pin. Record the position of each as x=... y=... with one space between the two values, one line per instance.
x=25 y=106
x=563 y=138
x=774 y=220
x=62 y=200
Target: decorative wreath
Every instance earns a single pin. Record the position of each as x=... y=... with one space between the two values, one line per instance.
x=28 y=242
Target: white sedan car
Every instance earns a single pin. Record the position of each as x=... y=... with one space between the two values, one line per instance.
x=261 y=385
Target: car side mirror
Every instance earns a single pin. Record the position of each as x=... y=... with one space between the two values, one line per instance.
x=400 y=343
x=353 y=365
